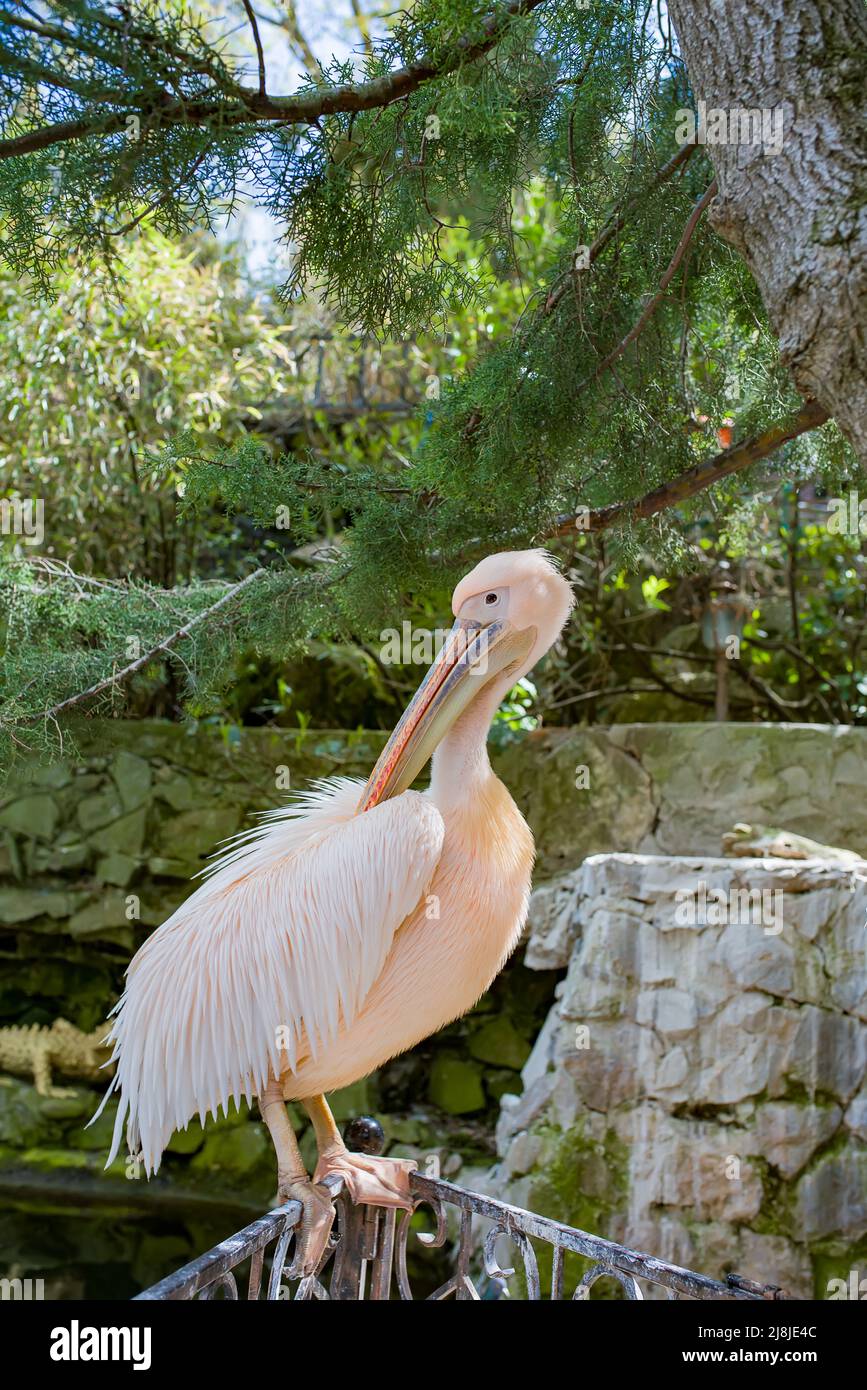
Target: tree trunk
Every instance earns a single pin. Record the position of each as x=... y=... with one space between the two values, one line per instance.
x=798 y=216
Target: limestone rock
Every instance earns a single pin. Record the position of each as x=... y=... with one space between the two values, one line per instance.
x=788 y=1134
x=829 y=1053
x=832 y=1197
x=519 y=1112
x=719 y=1049
x=522 y=1154
x=672 y=1012
x=542 y=1055
x=117 y=869
x=580 y=793
x=499 y=1042
x=856 y=1115
x=701 y=1168
x=97 y=811
x=177 y=790
x=25 y=904
x=776 y=1260
x=756 y=960
x=743 y=1050
x=125 y=835
x=162 y=866
x=605 y=1073
x=236 y=1152
x=105 y=915
x=194 y=834
x=551 y=923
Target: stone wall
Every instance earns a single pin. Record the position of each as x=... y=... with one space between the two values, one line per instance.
x=698 y=1089
x=674 y=788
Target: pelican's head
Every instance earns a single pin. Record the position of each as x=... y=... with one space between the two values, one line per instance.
x=508 y=611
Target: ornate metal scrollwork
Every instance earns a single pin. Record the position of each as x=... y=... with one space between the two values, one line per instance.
x=528 y=1255
x=626 y=1281
x=367 y=1256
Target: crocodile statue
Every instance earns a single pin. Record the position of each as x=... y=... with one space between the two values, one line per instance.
x=765 y=841
x=38 y=1051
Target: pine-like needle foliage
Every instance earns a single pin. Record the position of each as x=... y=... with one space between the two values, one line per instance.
x=116 y=113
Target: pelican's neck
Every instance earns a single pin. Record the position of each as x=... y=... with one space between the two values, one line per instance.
x=460 y=763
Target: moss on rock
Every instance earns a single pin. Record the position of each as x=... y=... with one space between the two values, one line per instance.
x=456 y=1085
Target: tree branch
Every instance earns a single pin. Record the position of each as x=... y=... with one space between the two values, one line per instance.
x=698 y=478
x=243 y=106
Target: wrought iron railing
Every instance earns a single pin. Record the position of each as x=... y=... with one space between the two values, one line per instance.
x=368 y=1256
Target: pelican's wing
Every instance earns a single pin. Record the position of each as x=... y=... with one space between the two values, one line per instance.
x=277 y=948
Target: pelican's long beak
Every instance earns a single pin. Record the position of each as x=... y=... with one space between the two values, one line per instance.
x=470 y=658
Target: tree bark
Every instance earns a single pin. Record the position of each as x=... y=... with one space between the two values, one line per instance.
x=797 y=216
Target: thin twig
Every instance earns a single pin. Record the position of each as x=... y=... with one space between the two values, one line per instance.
x=258 y=42
x=163 y=198
x=653 y=304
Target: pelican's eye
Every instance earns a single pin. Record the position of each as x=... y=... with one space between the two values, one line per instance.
x=488 y=606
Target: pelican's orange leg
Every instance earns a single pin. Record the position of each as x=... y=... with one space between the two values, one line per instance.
x=381 y=1182
x=293 y=1184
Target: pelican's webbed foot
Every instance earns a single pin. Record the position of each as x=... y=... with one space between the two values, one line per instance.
x=380 y=1182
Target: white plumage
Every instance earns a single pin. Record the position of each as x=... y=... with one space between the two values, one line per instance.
x=273 y=953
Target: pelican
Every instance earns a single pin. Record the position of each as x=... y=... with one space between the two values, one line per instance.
x=349 y=924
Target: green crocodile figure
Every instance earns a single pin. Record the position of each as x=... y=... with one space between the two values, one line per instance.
x=39 y=1052
x=765 y=841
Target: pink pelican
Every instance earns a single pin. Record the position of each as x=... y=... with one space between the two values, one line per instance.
x=350 y=924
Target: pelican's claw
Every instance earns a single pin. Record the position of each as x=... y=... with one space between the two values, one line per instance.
x=317 y=1218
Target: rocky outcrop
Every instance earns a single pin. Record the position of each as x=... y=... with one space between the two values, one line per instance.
x=700 y=1086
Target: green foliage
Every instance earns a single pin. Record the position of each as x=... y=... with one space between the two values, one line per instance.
x=461 y=212
x=90 y=380
x=629 y=654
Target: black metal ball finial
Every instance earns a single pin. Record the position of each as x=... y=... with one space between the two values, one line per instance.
x=364 y=1135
